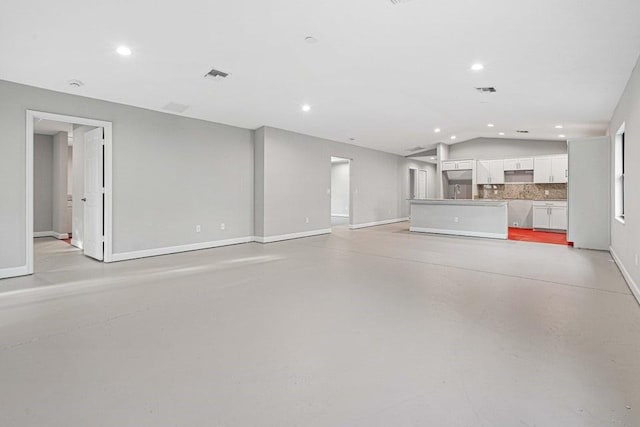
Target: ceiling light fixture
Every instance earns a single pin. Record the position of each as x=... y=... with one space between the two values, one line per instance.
x=311 y=40
x=477 y=67
x=501 y=134
x=561 y=136
x=437 y=130
x=75 y=83
x=491 y=125
x=124 y=50
x=453 y=137
x=306 y=108
x=559 y=126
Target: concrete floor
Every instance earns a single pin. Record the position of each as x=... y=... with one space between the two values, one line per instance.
x=372 y=327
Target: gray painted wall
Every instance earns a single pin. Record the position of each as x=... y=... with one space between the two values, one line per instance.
x=42 y=186
x=625 y=238
x=296 y=175
x=502 y=148
x=340 y=188
x=170 y=173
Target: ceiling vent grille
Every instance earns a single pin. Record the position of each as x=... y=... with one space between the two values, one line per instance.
x=522 y=131
x=399 y=1
x=216 y=74
x=489 y=89
x=418 y=148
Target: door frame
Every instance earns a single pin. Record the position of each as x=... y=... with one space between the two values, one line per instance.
x=351 y=188
x=31 y=115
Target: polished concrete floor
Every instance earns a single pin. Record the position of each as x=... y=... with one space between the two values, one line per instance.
x=371 y=327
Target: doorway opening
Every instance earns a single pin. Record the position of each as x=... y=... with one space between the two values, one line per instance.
x=341 y=203
x=417 y=183
x=69 y=191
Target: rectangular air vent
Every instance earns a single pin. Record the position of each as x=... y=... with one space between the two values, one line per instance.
x=418 y=148
x=216 y=74
x=522 y=131
x=175 y=107
x=399 y=1
x=489 y=89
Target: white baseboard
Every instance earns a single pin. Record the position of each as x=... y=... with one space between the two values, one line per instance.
x=373 y=224
x=269 y=239
x=5 y=273
x=635 y=290
x=123 y=256
x=502 y=236
x=59 y=236
x=341 y=215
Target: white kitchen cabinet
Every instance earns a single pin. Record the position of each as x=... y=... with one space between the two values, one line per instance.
x=550 y=215
x=449 y=165
x=551 y=170
x=524 y=163
x=490 y=172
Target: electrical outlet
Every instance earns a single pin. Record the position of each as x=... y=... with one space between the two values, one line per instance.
x=222 y=226
x=198 y=228
x=546 y=192
x=306 y=220
x=456 y=219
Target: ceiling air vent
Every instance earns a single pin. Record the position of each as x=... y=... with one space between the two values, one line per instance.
x=489 y=89
x=399 y=1
x=175 y=107
x=522 y=131
x=216 y=74
x=418 y=148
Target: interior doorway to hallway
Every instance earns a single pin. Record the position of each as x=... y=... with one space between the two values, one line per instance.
x=341 y=201
x=69 y=192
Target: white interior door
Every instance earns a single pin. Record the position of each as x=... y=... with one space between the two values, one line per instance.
x=93 y=193
x=422 y=184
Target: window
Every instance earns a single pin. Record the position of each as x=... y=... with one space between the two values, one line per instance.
x=619 y=168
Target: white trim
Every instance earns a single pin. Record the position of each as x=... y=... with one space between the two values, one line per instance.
x=269 y=239
x=341 y=215
x=76 y=243
x=59 y=236
x=373 y=224
x=502 y=236
x=177 y=249
x=31 y=115
x=14 y=272
x=633 y=286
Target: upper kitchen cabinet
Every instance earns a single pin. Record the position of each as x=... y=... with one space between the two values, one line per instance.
x=551 y=170
x=449 y=165
x=490 y=172
x=525 y=163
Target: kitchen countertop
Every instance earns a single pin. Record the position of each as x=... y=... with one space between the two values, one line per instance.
x=460 y=202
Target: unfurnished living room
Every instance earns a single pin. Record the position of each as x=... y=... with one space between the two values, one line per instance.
x=362 y=213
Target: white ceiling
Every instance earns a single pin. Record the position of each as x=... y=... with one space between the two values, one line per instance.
x=385 y=75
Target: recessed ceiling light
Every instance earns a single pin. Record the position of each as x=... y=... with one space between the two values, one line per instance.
x=433 y=157
x=501 y=134
x=437 y=130
x=561 y=136
x=124 y=50
x=306 y=108
x=477 y=67
x=490 y=125
x=559 y=126
x=453 y=137
x=75 y=83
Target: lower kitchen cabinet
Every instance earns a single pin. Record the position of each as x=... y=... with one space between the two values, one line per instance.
x=550 y=215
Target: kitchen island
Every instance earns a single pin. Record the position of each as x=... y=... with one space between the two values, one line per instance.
x=474 y=218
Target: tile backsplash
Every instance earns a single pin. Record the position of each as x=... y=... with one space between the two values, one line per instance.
x=523 y=191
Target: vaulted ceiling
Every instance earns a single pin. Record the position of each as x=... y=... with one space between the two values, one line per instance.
x=385 y=75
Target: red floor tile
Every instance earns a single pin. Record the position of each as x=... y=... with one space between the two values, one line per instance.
x=527 y=235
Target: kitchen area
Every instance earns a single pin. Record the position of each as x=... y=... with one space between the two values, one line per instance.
x=522 y=198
